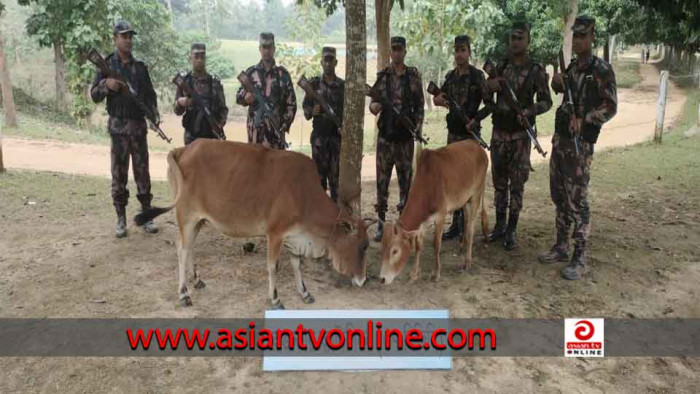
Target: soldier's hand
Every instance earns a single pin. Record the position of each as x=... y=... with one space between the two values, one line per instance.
x=576 y=125
x=471 y=125
x=522 y=119
x=375 y=108
x=494 y=84
x=184 y=102
x=114 y=84
x=440 y=100
x=317 y=110
x=557 y=82
x=248 y=98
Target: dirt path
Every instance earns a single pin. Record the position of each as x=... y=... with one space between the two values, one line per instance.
x=633 y=123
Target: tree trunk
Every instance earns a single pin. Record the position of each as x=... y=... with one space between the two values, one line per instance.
x=16 y=49
x=60 y=77
x=350 y=187
x=606 y=51
x=169 y=4
x=382 y=10
x=568 y=34
x=8 y=102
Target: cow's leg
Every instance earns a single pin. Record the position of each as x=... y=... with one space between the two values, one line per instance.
x=470 y=219
x=437 y=245
x=198 y=283
x=301 y=287
x=185 y=240
x=416 y=265
x=274 y=245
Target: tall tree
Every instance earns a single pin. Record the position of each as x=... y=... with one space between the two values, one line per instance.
x=350 y=188
x=8 y=103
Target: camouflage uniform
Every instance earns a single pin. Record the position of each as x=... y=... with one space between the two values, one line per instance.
x=127 y=128
x=394 y=142
x=211 y=91
x=510 y=144
x=277 y=88
x=469 y=91
x=325 y=137
x=594 y=92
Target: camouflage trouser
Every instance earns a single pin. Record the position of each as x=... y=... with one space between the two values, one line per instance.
x=390 y=154
x=510 y=169
x=451 y=137
x=569 y=174
x=265 y=136
x=326 y=154
x=136 y=146
x=190 y=137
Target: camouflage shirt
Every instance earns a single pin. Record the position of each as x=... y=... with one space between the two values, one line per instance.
x=594 y=92
x=469 y=91
x=125 y=117
x=277 y=87
x=406 y=93
x=527 y=81
x=211 y=92
x=334 y=94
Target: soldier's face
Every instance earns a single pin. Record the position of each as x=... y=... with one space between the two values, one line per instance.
x=582 y=43
x=398 y=54
x=519 y=43
x=267 y=52
x=462 y=55
x=123 y=42
x=199 y=61
x=328 y=63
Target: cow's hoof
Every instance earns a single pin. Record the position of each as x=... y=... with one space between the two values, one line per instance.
x=435 y=277
x=278 y=306
x=200 y=285
x=186 y=301
x=308 y=299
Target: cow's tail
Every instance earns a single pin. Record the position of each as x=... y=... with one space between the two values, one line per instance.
x=175 y=179
x=484 y=216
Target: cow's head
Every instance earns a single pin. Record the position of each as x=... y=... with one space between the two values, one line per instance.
x=397 y=245
x=348 y=247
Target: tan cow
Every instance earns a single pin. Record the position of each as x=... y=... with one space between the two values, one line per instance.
x=447 y=179
x=246 y=190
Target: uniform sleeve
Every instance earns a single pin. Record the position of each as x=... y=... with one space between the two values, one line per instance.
x=151 y=99
x=178 y=109
x=289 y=100
x=607 y=91
x=419 y=104
x=222 y=109
x=307 y=104
x=544 y=97
x=486 y=98
x=99 y=90
x=240 y=94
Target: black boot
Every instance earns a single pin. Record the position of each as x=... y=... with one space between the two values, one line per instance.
x=578 y=265
x=121 y=221
x=499 y=229
x=457 y=227
x=150 y=226
x=557 y=253
x=509 y=243
x=380 y=227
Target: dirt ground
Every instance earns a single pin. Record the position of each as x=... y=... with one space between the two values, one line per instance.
x=58 y=255
x=633 y=123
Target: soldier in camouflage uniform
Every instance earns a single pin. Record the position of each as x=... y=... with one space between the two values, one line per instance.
x=325 y=137
x=209 y=89
x=277 y=88
x=594 y=94
x=467 y=86
x=127 y=124
x=510 y=145
x=402 y=86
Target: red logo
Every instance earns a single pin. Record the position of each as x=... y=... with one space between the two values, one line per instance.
x=584 y=330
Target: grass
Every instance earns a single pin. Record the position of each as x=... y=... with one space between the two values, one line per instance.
x=627 y=74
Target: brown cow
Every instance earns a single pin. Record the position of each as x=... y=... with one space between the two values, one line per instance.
x=447 y=179
x=246 y=190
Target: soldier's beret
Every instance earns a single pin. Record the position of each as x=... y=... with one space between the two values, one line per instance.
x=267 y=38
x=122 y=27
x=398 y=41
x=583 y=24
x=328 y=51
